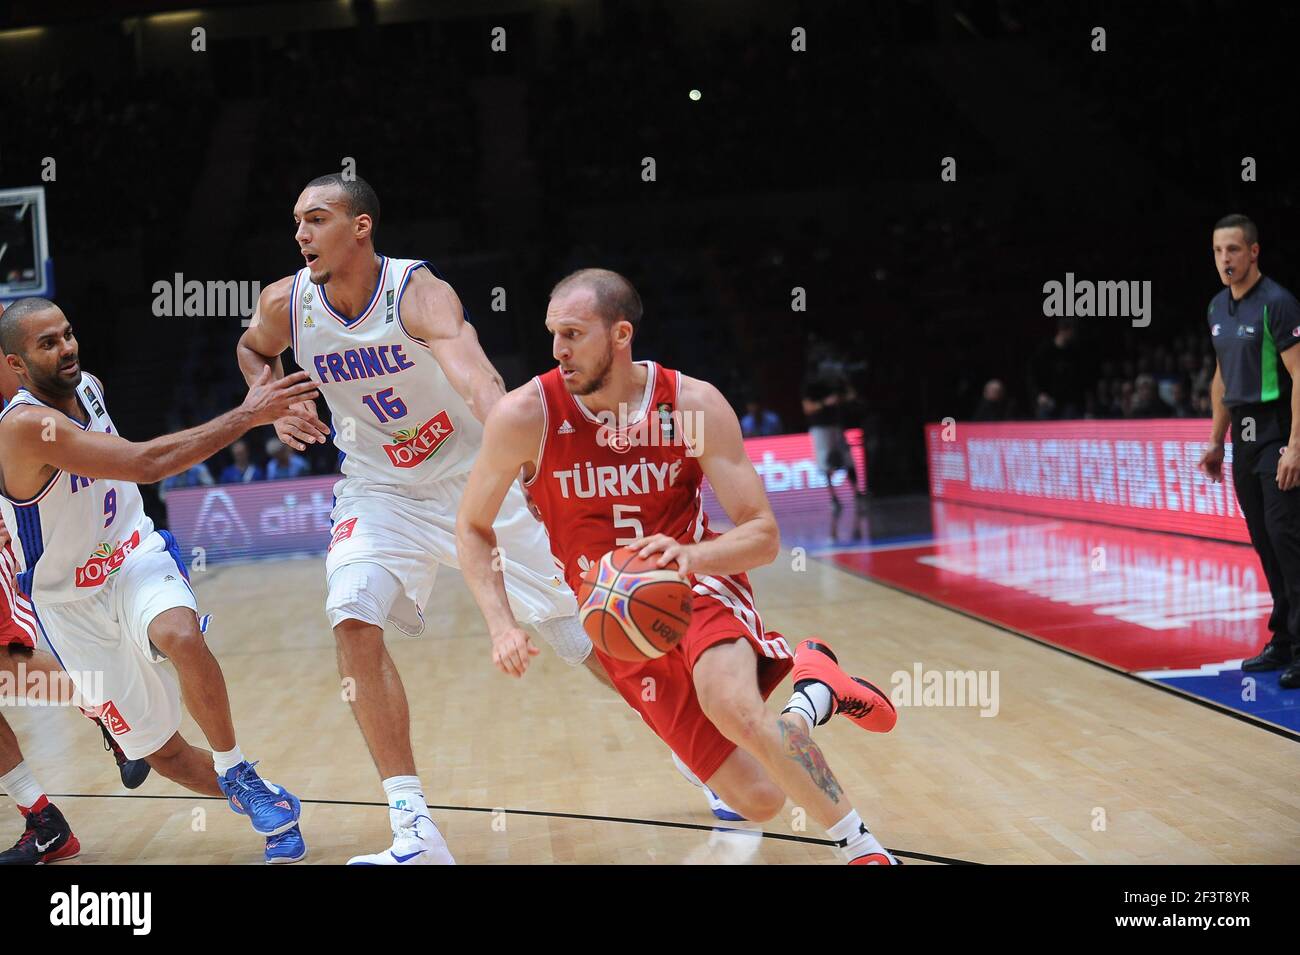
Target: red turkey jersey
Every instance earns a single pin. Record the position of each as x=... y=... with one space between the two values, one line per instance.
x=603 y=480
x=601 y=483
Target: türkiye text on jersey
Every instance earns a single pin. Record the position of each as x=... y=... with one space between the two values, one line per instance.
x=605 y=480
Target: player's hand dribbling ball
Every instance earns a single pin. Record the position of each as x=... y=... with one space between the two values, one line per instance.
x=633 y=609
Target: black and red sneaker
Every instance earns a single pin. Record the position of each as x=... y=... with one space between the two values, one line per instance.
x=47 y=838
x=133 y=771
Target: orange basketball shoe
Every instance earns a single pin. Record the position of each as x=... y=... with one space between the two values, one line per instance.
x=864 y=704
x=876 y=858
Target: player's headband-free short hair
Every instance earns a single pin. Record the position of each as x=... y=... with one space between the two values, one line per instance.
x=616 y=299
x=11 y=321
x=361 y=198
x=1244 y=223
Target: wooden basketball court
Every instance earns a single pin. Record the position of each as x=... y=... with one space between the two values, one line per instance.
x=1080 y=764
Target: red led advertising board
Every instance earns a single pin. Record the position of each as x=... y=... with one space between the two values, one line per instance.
x=1140 y=474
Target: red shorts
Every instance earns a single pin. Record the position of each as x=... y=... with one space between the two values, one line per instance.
x=663 y=690
x=17 y=618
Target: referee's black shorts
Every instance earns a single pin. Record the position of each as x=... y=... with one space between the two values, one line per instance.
x=1272 y=516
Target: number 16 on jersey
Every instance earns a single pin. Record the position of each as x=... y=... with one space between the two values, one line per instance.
x=385 y=405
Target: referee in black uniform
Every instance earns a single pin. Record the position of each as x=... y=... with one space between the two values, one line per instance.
x=1255 y=326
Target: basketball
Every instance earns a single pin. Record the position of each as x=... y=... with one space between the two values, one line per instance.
x=631 y=608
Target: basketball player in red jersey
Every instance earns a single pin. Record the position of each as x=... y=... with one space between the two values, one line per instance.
x=615 y=452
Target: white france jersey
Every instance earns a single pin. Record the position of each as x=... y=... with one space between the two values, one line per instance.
x=396 y=418
x=72 y=537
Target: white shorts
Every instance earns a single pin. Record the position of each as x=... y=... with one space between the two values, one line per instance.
x=103 y=643
x=409 y=531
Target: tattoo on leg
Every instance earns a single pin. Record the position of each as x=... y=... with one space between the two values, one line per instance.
x=798 y=745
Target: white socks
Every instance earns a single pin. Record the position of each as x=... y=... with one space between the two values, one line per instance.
x=854 y=839
x=222 y=762
x=404 y=794
x=22 y=786
x=812 y=700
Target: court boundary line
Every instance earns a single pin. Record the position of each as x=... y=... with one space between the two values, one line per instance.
x=628 y=820
x=1255 y=721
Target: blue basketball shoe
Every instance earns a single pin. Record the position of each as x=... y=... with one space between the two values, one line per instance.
x=271 y=810
x=288 y=846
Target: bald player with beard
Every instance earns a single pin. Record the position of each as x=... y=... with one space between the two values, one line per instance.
x=572 y=431
x=112 y=593
x=46 y=837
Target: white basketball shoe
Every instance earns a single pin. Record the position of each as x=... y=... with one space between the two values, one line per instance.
x=416 y=841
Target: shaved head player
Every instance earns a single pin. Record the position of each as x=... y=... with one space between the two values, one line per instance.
x=604 y=476
x=111 y=594
x=46 y=836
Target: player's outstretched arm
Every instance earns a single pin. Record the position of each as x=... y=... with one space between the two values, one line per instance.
x=432 y=311
x=511 y=436
x=756 y=539
x=36 y=437
x=268 y=335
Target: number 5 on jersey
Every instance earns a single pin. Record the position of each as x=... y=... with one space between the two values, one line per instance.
x=622 y=521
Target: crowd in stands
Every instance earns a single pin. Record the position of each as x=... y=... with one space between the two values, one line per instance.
x=237 y=465
x=1067 y=379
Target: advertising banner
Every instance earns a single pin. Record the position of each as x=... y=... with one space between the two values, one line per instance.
x=278 y=518
x=1140 y=474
